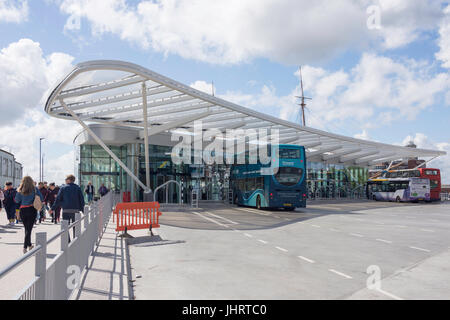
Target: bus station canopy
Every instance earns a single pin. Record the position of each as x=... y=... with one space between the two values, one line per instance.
x=126 y=94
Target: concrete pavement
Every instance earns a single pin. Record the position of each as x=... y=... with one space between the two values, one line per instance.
x=321 y=252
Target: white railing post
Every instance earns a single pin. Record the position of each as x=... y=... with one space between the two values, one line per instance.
x=78 y=224
x=40 y=265
x=65 y=236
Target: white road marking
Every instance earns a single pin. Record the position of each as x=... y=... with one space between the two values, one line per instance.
x=262 y=241
x=427 y=230
x=421 y=249
x=400 y=226
x=254 y=211
x=315 y=226
x=389 y=294
x=277 y=217
x=248 y=235
x=306 y=259
x=333 y=229
x=209 y=219
x=382 y=240
x=340 y=273
x=356 y=235
x=222 y=218
x=282 y=249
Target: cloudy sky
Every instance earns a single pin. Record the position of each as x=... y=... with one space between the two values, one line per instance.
x=381 y=77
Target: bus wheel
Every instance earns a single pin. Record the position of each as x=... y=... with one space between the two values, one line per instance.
x=289 y=209
x=236 y=200
x=258 y=203
x=375 y=198
x=398 y=199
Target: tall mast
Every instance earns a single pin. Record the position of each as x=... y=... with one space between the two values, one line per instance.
x=302 y=97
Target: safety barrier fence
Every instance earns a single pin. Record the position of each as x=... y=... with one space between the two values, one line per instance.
x=445 y=196
x=136 y=215
x=59 y=279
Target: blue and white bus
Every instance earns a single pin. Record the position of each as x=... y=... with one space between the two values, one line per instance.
x=286 y=188
x=399 y=189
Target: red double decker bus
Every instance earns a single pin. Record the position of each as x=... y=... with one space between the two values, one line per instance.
x=433 y=174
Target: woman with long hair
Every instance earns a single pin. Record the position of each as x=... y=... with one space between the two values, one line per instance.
x=25 y=198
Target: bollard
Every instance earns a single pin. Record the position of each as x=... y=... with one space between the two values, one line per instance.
x=86 y=217
x=41 y=265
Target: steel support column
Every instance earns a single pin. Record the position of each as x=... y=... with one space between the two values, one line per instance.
x=103 y=145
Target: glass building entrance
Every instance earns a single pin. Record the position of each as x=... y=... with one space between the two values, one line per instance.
x=95 y=165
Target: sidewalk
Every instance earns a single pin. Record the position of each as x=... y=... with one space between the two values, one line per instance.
x=106 y=278
x=11 y=246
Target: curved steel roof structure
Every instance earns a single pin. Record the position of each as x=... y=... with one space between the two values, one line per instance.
x=125 y=94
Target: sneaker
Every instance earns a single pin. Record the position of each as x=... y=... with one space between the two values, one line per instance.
x=24 y=250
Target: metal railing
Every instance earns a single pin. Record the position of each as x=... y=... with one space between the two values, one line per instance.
x=61 y=277
x=166 y=184
x=445 y=196
x=194 y=197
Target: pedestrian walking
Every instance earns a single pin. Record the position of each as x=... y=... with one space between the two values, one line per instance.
x=43 y=189
x=103 y=190
x=70 y=199
x=26 y=197
x=50 y=199
x=89 y=190
x=9 y=203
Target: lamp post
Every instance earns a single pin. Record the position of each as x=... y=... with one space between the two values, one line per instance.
x=40 y=159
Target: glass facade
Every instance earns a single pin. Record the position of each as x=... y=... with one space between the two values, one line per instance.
x=97 y=166
x=323 y=180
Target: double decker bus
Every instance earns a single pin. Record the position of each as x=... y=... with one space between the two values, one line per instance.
x=399 y=189
x=434 y=175
x=264 y=186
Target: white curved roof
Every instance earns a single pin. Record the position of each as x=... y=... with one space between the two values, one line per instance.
x=110 y=92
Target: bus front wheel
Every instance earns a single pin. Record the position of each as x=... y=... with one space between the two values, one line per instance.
x=374 y=198
x=258 y=203
x=397 y=199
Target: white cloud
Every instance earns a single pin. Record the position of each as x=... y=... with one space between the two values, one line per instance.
x=375 y=92
x=444 y=40
x=26 y=76
x=443 y=162
x=13 y=11
x=233 y=31
x=22 y=138
x=203 y=86
x=363 y=135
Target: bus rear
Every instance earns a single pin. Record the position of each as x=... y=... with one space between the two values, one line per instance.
x=434 y=175
x=419 y=189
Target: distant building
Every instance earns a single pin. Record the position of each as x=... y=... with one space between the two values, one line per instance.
x=404 y=164
x=10 y=169
x=445 y=188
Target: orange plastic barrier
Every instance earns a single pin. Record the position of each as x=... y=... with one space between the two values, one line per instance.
x=137 y=215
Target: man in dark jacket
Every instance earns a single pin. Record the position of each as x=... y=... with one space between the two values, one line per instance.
x=103 y=190
x=89 y=190
x=8 y=203
x=70 y=199
x=50 y=199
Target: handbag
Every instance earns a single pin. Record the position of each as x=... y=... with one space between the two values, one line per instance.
x=37 y=203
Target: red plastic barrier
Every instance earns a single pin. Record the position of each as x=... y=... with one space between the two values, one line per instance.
x=137 y=215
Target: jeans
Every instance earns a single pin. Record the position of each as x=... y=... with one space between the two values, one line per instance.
x=28 y=216
x=11 y=212
x=70 y=217
x=90 y=197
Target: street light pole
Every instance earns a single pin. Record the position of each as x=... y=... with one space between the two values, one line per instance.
x=40 y=159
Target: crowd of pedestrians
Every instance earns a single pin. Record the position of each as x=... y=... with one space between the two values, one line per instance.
x=32 y=203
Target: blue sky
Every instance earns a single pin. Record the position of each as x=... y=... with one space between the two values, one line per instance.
x=381 y=84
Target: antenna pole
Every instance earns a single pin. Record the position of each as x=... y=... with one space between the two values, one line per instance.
x=302 y=97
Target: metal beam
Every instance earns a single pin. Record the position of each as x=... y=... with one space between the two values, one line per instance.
x=338 y=154
x=323 y=150
x=379 y=156
x=145 y=119
x=177 y=123
x=356 y=156
x=104 y=146
x=75 y=92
